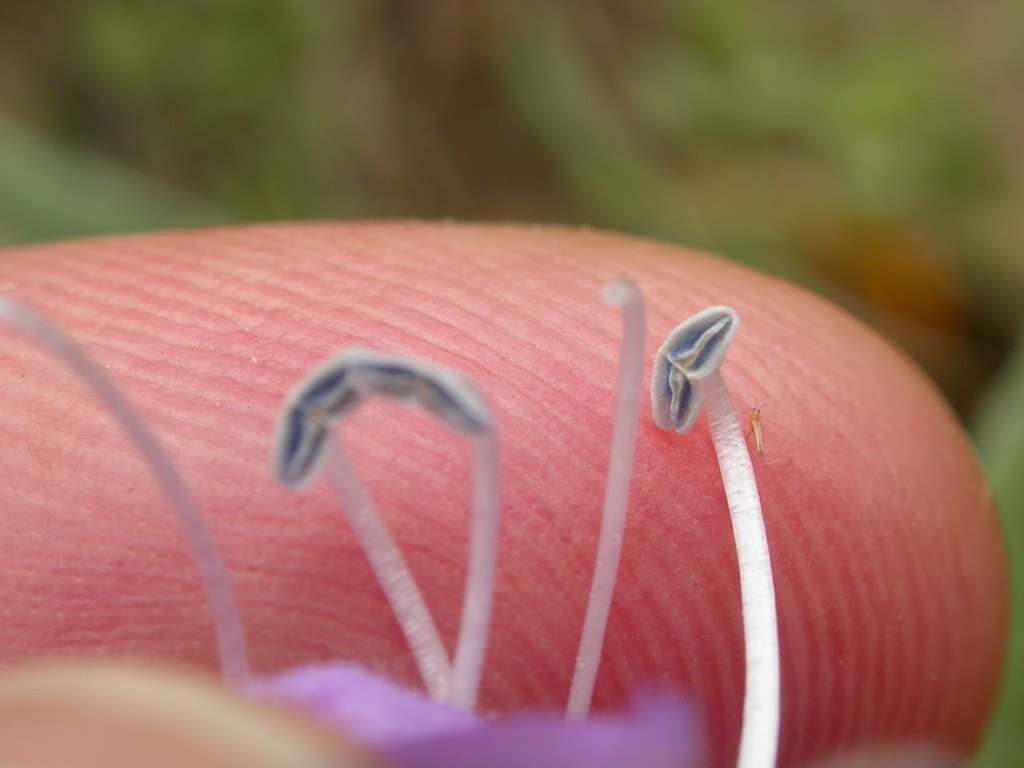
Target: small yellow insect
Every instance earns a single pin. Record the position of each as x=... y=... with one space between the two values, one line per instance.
x=757 y=427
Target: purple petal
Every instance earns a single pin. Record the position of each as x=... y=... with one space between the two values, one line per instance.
x=409 y=730
x=658 y=733
x=364 y=706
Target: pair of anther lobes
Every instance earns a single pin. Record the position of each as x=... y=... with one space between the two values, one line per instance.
x=691 y=353
x=337 y=388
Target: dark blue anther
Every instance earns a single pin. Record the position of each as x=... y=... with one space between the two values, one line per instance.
x=691 y=353
x=334 y=389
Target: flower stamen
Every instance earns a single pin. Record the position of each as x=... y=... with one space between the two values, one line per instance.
x=216 y=582
x=314 y=408
x=689 y=360
x=622 y=294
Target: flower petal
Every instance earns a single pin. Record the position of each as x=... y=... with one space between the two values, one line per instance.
x=408 y=730
x=365 y=707
x=658 y=733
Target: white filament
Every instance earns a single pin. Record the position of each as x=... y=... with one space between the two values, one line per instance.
x=760 y=733
x=471 y=649
x=392 y=573
x=223 y=608
x=616 y=498
x=325 y=398
x=459 y=686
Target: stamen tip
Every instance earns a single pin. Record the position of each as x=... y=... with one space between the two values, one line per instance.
x=692 y=352
x=336 y=388
x=620 y=293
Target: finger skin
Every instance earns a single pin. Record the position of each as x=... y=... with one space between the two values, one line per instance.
x=890 y=570
x=124 y=716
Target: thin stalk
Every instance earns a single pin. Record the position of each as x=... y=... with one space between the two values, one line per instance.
x=391 y=571
x=478 y=598
x=616 y=497
x=760 y=733
x=327 y=396
x=216 y=582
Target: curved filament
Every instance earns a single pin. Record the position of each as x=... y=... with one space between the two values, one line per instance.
x=616 y=498
x=328 y=395
x=393 y=575
x=214 y=576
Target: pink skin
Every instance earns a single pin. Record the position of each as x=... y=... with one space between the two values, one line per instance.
x=890 y=570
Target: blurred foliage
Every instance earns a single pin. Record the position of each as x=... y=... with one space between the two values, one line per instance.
x=50 y=190
x=1001 y=440
x=867 y=150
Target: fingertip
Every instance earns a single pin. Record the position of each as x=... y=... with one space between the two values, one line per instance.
x=890 y=570
x=70 y=715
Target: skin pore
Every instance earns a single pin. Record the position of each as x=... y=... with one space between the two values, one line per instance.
x=889 y=568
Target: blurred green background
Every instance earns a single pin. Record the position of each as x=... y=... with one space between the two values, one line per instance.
x=869 y=150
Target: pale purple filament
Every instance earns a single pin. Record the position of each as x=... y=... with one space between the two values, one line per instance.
x=223 y=608
x=393 y=575
x=616 y=499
